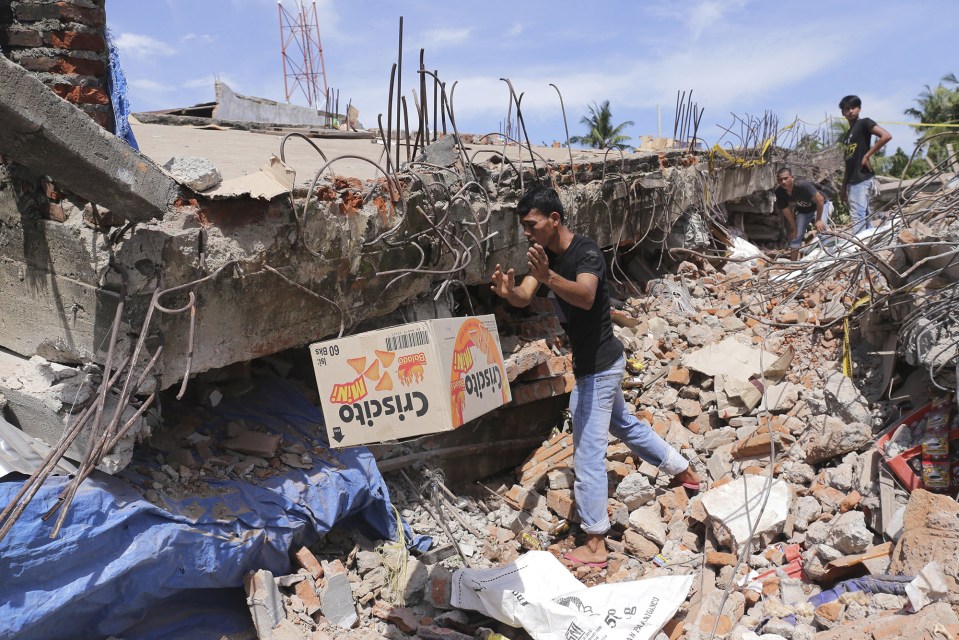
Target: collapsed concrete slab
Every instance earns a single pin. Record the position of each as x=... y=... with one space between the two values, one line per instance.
x=53 y=137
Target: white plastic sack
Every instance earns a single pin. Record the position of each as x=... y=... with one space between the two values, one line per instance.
x=743 y=249
x=538 y=593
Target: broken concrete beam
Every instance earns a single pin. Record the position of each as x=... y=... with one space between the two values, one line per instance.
x=526 y=359
x=52 y=137
x=553 y=366
x=730 y=358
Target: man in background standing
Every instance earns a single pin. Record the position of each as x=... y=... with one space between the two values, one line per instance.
x=857 y=183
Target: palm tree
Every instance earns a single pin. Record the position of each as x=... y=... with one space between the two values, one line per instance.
x=602 y=134
x=938 y=105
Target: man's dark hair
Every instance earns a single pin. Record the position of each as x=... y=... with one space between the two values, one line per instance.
x=784 y=170
x=850 y=102
x=543 y=199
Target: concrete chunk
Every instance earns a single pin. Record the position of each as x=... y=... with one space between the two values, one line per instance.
x=336 y=601
x=830 y=437
x=646 y=522
x=635 y=491
x=197 y=173
x=735 y=506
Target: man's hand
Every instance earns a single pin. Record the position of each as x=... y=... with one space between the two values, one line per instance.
x=538 y=263
x=866 y=165
x=821 y=225
x=503 y=283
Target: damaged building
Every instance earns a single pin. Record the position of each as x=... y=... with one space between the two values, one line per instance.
x=164 y=275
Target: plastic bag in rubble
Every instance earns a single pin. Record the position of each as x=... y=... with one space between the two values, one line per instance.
x=538 y=593
x=743 y=249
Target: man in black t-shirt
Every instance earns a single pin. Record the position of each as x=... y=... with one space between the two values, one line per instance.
x=571 y=270
x=858 y=179
x=801 y=203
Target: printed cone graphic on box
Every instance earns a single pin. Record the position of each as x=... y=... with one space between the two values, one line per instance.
x=474 y=348
x=392 y=383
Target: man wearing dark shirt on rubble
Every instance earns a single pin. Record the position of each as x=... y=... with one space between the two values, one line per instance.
x=801 y=203
x=571 y=268
x=858 y=180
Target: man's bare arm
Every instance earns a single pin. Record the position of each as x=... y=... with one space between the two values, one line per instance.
x=579 y=293
x=790 y=221
x=820 y=207
x=504 y=286
x=884 y=137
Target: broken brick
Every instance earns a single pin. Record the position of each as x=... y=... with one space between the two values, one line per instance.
x=306 y=559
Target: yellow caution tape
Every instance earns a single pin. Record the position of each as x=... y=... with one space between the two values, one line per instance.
x=924 y=124
x=846 y=348
x=750 y=163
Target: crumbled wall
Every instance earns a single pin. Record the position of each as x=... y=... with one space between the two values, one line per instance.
x=63 y=44
x=260 y=257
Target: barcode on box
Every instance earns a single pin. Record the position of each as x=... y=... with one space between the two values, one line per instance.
x=407 y=340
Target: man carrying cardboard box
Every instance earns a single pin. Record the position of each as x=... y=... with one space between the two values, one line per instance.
x=571 y=270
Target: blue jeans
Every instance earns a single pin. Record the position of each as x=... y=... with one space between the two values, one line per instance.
x=598 y=409
x=857 y=196
x=803 y=220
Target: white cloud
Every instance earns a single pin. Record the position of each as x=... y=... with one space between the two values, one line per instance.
x=204 y=38
x=439 y=38
x=208 y=81
x=699 y=16
x=143 y=84
x=139 y=45
x=515 y=30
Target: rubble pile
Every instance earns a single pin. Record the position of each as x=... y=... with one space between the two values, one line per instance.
x=792 y=534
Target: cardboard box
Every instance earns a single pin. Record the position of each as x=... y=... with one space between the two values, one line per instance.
x=410 y=380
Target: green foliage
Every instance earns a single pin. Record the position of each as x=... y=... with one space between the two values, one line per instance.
x=939 y=105
x=895 y=164
x=602 y=134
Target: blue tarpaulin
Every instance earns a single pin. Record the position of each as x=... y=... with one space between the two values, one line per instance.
x=117 y=84
x=124 y=566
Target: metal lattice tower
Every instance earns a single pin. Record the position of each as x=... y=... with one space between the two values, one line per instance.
x=303 y=66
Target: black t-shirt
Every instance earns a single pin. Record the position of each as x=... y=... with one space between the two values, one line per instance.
x=590 y=331
x=856 y=143
x=801 y=199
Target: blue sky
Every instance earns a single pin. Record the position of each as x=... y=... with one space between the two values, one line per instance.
x=795 y=59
